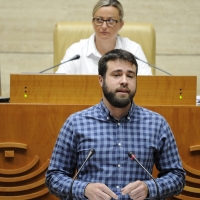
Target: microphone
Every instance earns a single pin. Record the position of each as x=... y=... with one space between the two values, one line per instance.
x=152 y=65
x=132 y=156
x=91 y=152
x=73 y=58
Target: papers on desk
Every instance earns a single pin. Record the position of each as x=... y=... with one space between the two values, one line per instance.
x=4 y=99
x=198 y=100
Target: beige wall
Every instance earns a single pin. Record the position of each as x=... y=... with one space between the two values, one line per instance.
x=26 y=32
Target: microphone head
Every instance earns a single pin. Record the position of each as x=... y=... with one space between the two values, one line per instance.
x=77 y=56
x=91 y=152
x=131 y=155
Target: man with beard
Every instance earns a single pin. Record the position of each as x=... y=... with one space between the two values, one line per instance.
x=113 y=128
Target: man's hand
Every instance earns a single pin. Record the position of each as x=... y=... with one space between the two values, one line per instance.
x=137 y=190
x=99 y=191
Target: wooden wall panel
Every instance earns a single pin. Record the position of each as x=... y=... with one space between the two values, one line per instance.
x=37 y=126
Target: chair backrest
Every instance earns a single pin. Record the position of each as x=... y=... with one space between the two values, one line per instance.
x=67 y=33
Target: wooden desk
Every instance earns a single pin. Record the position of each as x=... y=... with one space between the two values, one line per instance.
x=28 y=133
x=85 y=90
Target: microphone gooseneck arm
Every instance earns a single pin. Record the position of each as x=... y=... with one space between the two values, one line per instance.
x=91 y=152
x=73 y=58
x=131 y=155
x=152 y=65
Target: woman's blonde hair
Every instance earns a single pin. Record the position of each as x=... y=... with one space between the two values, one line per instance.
x=114 y=3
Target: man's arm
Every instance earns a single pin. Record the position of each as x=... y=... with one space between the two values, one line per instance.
x=171 y=177
x=63 y=165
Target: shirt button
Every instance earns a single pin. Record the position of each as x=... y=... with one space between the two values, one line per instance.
x=128 y=118
x=117 y=186
x=108 y=118
x=119 y=144
x=119 y=124
x=119 y=165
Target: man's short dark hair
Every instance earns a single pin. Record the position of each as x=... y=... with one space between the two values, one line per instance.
x=113 y=55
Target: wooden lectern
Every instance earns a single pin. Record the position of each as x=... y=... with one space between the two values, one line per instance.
x=85 y=89
x=40 y=103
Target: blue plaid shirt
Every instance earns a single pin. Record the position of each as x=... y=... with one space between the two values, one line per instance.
x=142 y=131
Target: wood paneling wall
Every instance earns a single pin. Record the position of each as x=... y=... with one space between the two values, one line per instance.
x=28 y=133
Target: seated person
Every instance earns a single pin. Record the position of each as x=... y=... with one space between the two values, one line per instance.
x=107 y=21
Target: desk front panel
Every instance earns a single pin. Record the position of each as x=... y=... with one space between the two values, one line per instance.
x=28 y=133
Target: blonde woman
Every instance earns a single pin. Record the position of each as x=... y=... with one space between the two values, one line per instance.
x=107 y=21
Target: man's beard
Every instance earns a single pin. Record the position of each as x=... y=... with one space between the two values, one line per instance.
x=116 y=101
